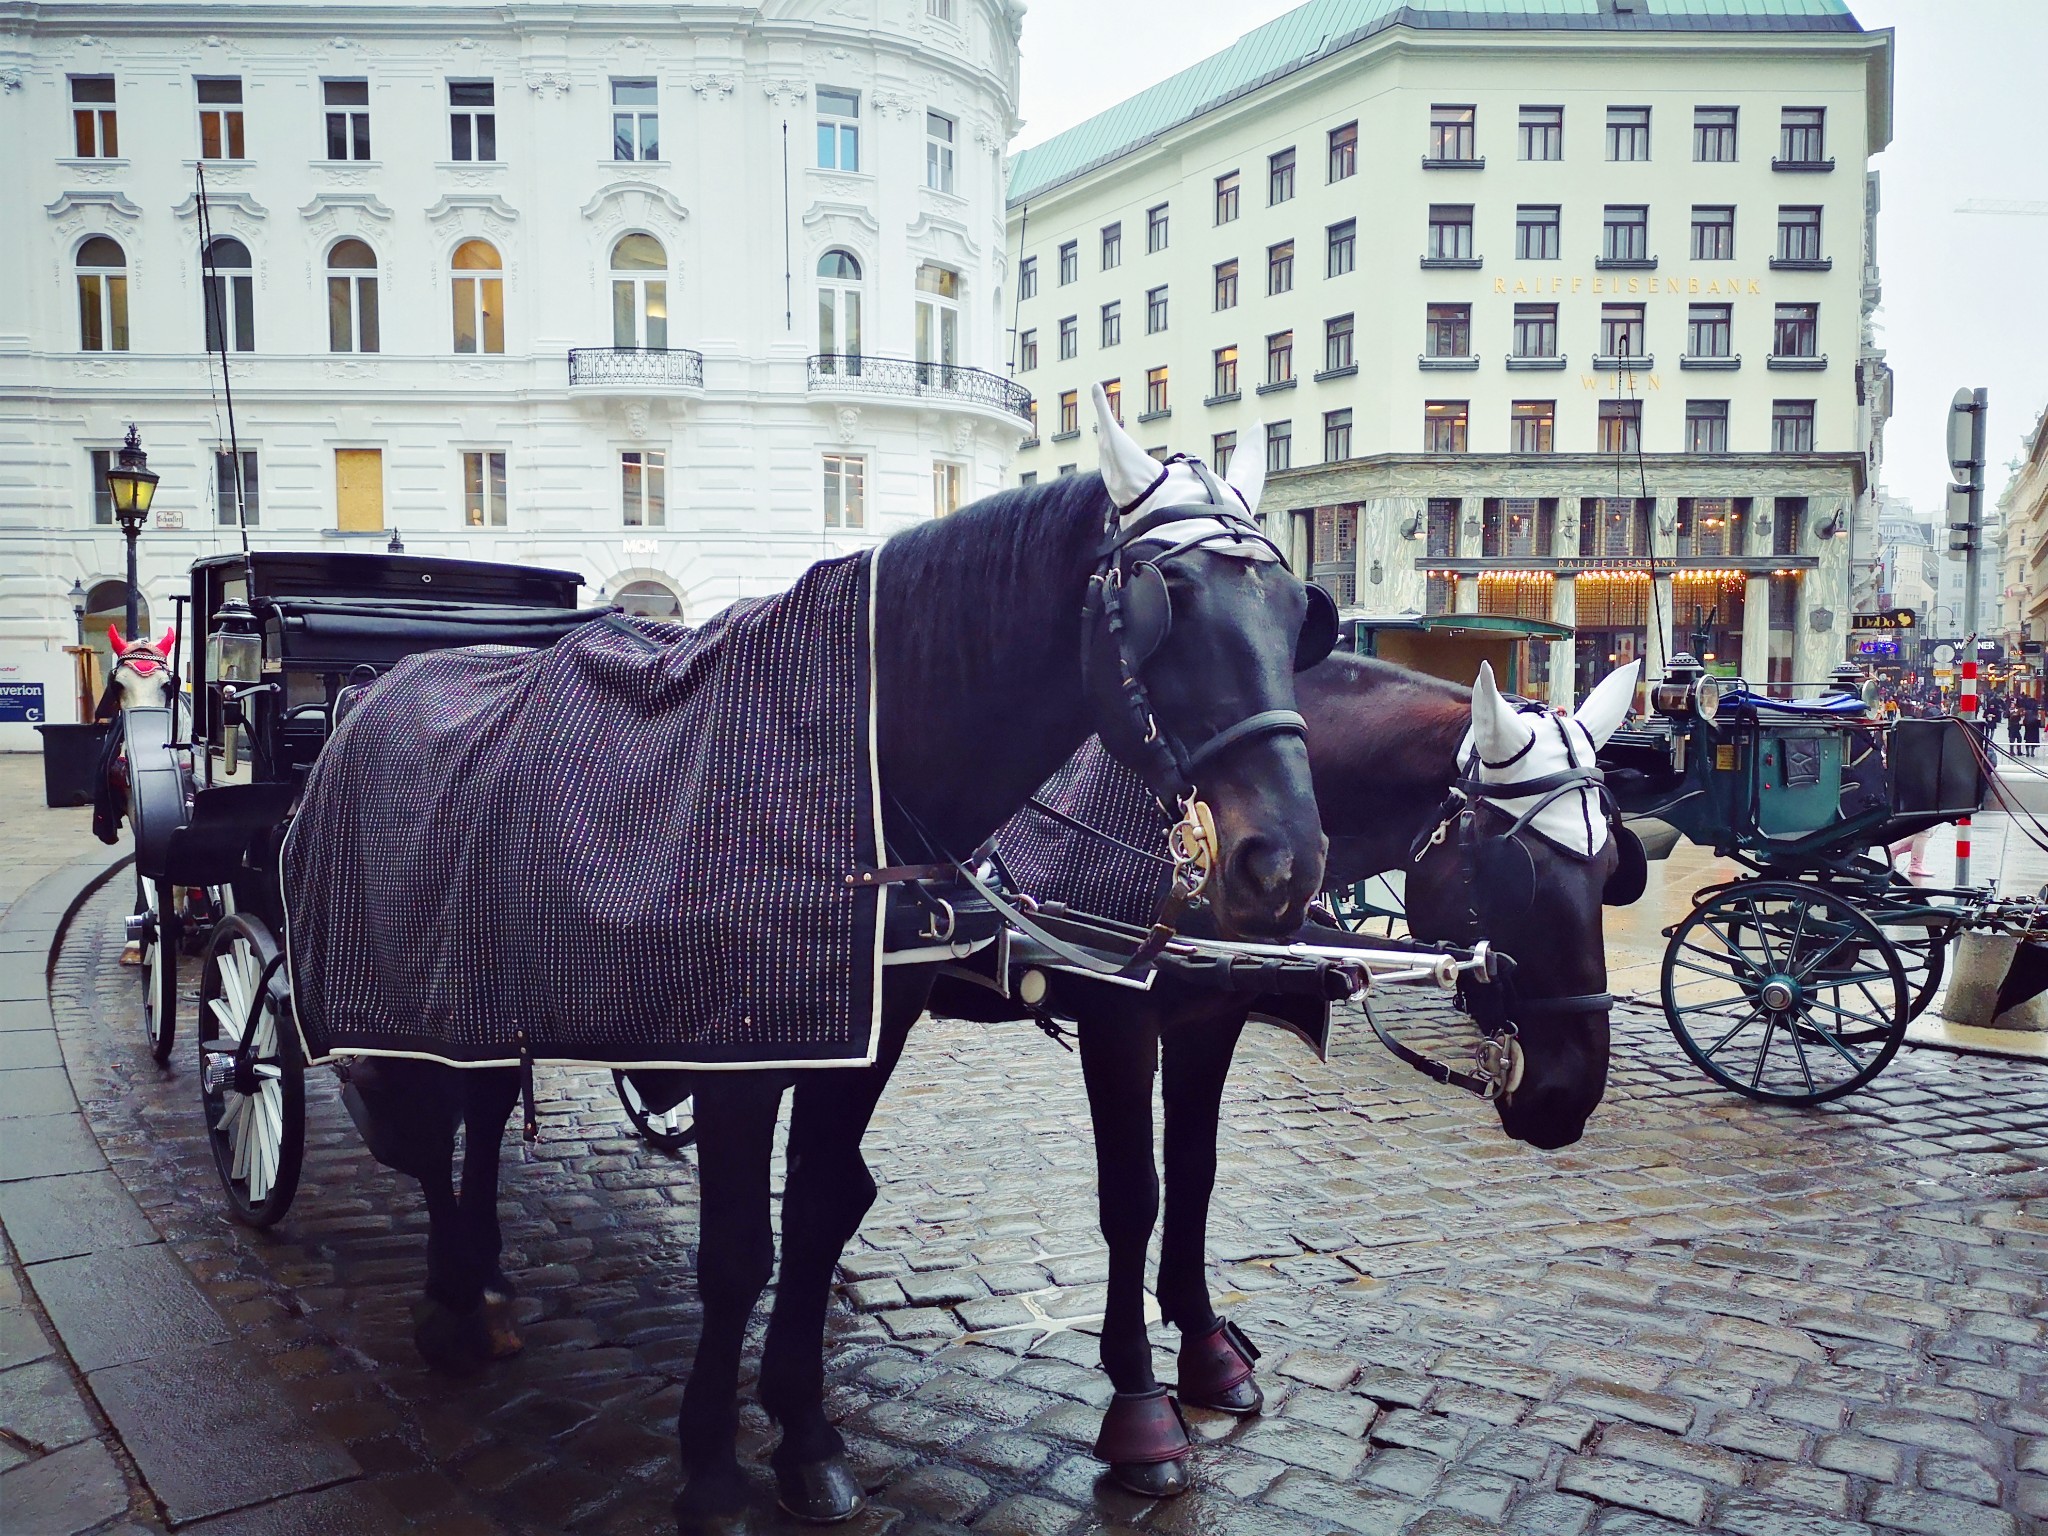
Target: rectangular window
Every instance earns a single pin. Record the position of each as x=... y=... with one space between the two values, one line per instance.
x=1336 y=436
x=1785 y=526
x=1796 y=332
x=938 y=162
x=1440 y=539
x=102 y=460
x=1031 y=413
x=948 y=483
x=1448 y=331
x=1027 y=351
x=351 y=303
x=1542 y=133
x=1279 y=176
x=1621 y=424
x=846 y=490
x=1280 y=267
x=220 y=118
x=1155 y=310
x=1450 y=232
x=95 y=133
x=1155 y=228
x=1155 y=391
x=1226 y=197
x=1791 y=426
x=348 y=118
x=1625 y=234
x=1611 y=526
x=1223 y=374
x=229 y=300
x=1713 y=133
x=1337 y=338
x=1532 y=426
x=483 y=489
x=1709 y=329
x=1226 y=285
x=1070 y=337
x=1029 y=477
x=838 y=140
x=1279 y=445
x=1070 y=411
x=643 y=482
x=1536 y=233
x=1112 y=245
x=1535 y=330
x=1621 y=330
x=939 y=10
x=227 y=495
x=1628 y=133
x=1343 y=239
x=1713 y=234
x=472 y=120
x=1070 y=262
x=1067 y=469
x=1802 y=135
x=1706 y=426
x=1221 y=447
x=1280 y=357
x=1516 y=528
x=1112 y=323
x=636 y=120
x=1799 y=234
x=1344 y=152
x=1443 y=425
x=1113 y=392
x=1452 y=134
x=1027 y=278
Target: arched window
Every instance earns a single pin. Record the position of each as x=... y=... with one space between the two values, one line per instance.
x=102 y=296
x=938 y=315
x=230 y=297
x=106 y=604
x=479 y=288
x=639 y=293
x=351 y=297
x=839 y=312
x=650 y=600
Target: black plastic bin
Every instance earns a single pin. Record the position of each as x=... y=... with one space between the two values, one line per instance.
x=71 y=760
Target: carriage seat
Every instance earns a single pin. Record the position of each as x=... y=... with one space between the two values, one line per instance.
x=1742 y=702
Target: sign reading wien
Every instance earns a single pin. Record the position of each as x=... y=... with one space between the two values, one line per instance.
x=1890 y=618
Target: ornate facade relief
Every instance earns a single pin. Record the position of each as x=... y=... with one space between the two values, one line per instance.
x=548 y=84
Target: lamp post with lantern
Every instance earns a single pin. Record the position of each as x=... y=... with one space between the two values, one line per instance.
x=132 y=485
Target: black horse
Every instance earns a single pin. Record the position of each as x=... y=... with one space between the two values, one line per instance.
x=996 y=657
x=1386 y=746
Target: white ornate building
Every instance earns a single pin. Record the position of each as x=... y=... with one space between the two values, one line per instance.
x=678 y=295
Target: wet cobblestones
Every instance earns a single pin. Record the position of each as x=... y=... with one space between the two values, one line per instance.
x=1707 y=1315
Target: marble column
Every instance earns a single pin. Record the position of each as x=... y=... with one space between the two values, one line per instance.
x=1564 y=609
x=1657 y=627
x=1467 y=598
x=1756 y=632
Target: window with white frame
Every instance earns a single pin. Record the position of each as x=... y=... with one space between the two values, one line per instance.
x=1112 y=323
x=948 y=483
x=1112 y=245
x=95 y=131
x=639 y=293
x=937 y=330
x=1279 y=446
x=351 y=297
x=472 y=120
x=1338 y=332
x=229 y=494
x=483 y=488
x=1155 y=310
x=839 y=290
x=846 y=490
x=636 y=120
x=228 y=296
x=643 y=485
x=220 y=117
x=838 y=129
x=478 y=289
x=102 y=296
x=938 y=151
x=348 y=118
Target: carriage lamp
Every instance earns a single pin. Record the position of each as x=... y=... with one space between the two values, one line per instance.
x=1686 y=691
x=131 y=484
x=234 y=661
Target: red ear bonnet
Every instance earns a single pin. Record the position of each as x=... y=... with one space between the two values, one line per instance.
x=114 y=639
x=170 y=639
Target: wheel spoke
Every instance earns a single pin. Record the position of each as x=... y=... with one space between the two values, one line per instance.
x=1828 y=1039
x=1763 y=1051
x=1753 y=1015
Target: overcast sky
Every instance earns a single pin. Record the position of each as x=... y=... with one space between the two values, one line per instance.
x=1965 y=294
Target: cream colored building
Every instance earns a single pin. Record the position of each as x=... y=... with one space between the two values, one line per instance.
x=1552 y=310
x=2023 y=511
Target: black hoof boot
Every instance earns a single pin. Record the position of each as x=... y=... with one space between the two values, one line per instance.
x=1152 y=1479
x=1216 y=1370
x=714 y=1502
x=820 y=1492
x=458 y=1343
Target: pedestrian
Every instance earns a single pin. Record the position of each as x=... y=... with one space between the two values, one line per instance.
x=2031 y=730
x=2012 y=732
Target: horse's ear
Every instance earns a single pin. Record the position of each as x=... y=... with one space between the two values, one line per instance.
x=1498 y=733
x=1608 y=705
x=1127 y=470
x=170 y=639
x=114 y=639
x=1247 y=472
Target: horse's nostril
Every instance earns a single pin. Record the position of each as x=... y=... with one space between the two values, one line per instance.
x=1265 y=866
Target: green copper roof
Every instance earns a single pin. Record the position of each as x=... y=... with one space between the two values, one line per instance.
x=1322 y=27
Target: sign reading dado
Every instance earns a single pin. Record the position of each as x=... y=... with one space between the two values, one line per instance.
x=1697 y=287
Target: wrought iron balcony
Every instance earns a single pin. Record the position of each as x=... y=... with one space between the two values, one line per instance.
x=637 y=367
x=932 y=381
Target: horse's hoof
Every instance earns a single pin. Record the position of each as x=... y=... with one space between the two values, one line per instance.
x=1242 y=1400
x=1216 y=1370
x=693 y=1519
x=458 y=1343
x=820 y=1492
x=500 y=1327
x=1152 y=1479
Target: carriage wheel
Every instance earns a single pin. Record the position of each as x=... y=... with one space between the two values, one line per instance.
x=670 y=1130
x=254 y=1100
x=1785 y=992
x=156 y=930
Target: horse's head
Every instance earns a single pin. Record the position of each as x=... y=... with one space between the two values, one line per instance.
x=142 y=669
x=1529 y=873
x=1197 y=628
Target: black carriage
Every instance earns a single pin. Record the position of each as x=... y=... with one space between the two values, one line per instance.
x=1796 y=981
x=290 y=641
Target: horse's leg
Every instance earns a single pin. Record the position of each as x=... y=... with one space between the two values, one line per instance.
x=829 y=1190
x=1215 y=1358
x=486 y=1106
x=735 y=1255
x=1142 y=1437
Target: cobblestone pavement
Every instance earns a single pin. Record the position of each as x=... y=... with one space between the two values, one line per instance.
x=1707 y=1314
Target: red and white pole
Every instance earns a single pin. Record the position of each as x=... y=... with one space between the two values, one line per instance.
x=1966 y=706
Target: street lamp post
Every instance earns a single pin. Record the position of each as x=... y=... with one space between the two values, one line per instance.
x=132 y=485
